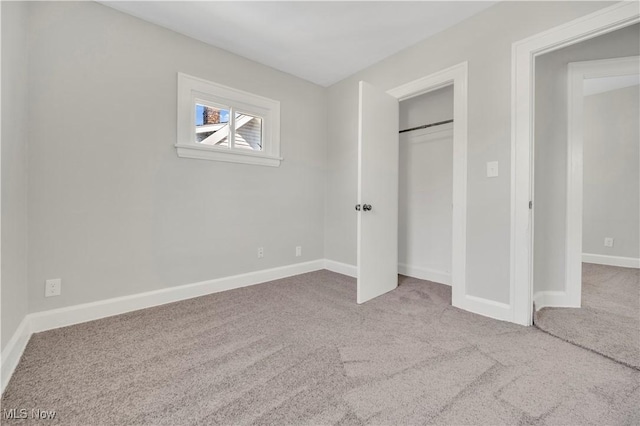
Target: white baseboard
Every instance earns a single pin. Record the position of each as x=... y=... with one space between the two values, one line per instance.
x=552 y=299
x=410 y=271
x=486 y=307
x=477 y=305
x=56 y=318
x=341 y=268
x=13 y=352
x=428 y=274
x=602 y=259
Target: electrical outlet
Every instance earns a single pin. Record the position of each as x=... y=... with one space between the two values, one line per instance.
x=608 y=242
x=260 y=252
x=298 y=251
x=53 y=287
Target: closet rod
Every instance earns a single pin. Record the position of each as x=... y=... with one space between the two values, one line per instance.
x=439 y=123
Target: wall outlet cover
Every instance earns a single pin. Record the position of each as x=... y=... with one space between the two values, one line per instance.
x=53 y=287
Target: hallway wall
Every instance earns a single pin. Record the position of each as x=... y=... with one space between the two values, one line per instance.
x=611 y=173
x=550 y=148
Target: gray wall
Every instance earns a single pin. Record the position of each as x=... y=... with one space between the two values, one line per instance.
x=551 y=148
x=112 y=209
x=428 y=108
x=485 y=42
x=426 y=183
x=611 y=179
x=14 y=168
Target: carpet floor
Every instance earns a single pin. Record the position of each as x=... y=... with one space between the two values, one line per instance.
x=301 y=351
x=608 y=321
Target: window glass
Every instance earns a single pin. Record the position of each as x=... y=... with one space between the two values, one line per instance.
x=248 y=134
x=220 y=123
x=212 y=125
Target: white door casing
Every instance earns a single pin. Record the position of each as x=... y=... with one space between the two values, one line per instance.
x=457 y=76
x=606 y=20
x=377 y=187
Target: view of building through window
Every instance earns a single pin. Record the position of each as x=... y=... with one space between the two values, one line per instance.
x=212 y=128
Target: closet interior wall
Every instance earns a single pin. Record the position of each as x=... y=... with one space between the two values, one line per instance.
x=426 y=187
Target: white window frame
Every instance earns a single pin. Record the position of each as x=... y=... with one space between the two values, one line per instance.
x=193 y=90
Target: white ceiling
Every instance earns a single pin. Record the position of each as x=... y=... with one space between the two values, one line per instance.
x=322 y=42
x=593 y=86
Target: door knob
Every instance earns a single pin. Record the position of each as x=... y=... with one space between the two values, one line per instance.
x=358 y=207
x=366 y=207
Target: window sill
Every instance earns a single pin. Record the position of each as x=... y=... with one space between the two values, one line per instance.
x=205 y=153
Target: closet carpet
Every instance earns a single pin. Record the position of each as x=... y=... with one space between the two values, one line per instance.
x=301 y=351
x=608 y=321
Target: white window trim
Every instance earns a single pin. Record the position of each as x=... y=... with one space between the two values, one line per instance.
x=192 y=90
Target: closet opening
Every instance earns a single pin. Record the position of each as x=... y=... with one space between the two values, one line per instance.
x=425 y=187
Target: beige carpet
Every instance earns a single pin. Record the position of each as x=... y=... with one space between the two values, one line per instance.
x=608 y=321
x=300 y=351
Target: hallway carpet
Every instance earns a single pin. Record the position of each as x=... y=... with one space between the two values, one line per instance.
x=608 y=321
x=301 y=351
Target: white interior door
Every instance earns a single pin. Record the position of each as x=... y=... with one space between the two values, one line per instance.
x=377 y=193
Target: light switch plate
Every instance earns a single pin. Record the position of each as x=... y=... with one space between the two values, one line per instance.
x=492 y=169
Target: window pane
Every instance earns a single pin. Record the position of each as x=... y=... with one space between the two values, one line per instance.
x=212 y=126
x=248 y=132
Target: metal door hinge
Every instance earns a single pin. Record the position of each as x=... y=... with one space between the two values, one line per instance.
x=530 y=205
